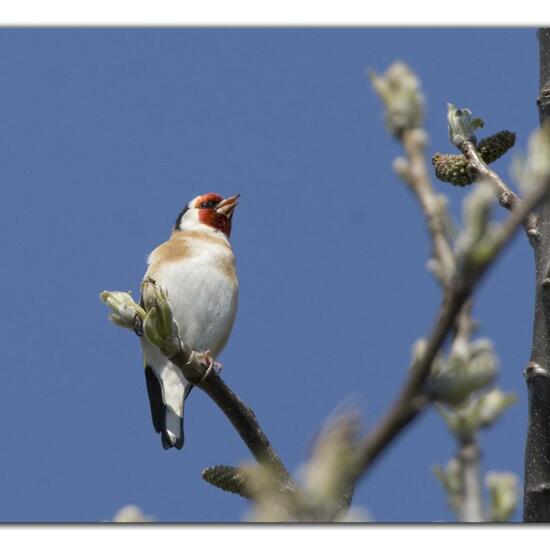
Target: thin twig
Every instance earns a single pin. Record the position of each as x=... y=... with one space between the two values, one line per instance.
x=471 y=502
x=241 y=417
x=506 y=197
x=417 y=177
x=464 y=329
x=470 y=505
x=412 y=399
x=195 y=368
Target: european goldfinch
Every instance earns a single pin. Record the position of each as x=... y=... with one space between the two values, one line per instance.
x=196 y=267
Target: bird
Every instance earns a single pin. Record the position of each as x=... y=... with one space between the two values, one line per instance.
x=197 y=269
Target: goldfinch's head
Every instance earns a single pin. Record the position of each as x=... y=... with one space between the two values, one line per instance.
x=210 y=210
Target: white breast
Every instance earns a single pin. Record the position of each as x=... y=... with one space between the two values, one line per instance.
x=203 y=294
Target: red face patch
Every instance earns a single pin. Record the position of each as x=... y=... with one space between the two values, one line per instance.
x=206 y=204
x=218 y=221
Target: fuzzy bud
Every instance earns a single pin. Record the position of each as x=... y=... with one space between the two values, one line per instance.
x=328 y=475
x=491 y=406
x=399 y=89
x=462 y=126
x=159 y=325
x=480 y=411
x=503 y=488
x=450 y=478
x=131 y=514
x=124 y=309
x=535 y=168
x=453 y=381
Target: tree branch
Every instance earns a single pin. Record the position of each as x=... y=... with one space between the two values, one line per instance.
x=543 y=101
x=471 y=503
x=157 y=324
x=243 y=419
x=537 y=374
x=470 y=507
x=415 y=172
x=506 y=197
x=412 y=399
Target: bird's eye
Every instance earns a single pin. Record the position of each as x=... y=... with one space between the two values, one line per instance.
x=208 y=204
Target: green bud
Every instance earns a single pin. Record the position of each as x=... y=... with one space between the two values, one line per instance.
x=534 y=169
x=150 y=328
x=328 y=475
x=124 y=309
x=452 y=382
x=450 y=478
x=491 y=406
x=132 y=514
x=165 y=318
x=399 y=89
x=165 y=314
x=503 y=488
x=462 y=126
x=271 y=502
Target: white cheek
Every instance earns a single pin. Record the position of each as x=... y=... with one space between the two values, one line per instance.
x=190 y=219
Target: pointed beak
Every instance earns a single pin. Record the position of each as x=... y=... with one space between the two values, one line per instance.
x=227 y=206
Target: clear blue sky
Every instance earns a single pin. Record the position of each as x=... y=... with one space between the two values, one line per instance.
x=106 y=134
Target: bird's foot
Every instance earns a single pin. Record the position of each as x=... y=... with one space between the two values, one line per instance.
x=212 y=365
x=217 y=367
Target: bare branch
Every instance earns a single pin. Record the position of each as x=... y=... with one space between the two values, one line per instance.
x=471 y=505
x=478 y=169
x=536 y=499
x=412 y=399
x=196 y=369
x=243 y=419
x=543 y=101
x=415 y=172
x=160 y=328
x=455 y=311
x=461 y=481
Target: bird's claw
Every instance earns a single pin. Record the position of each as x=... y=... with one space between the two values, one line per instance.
x=217 y=367
x=212 y=365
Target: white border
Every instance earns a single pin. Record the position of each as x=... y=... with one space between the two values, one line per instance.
x=258 y=13
x=349 y=536
x=280 y=13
